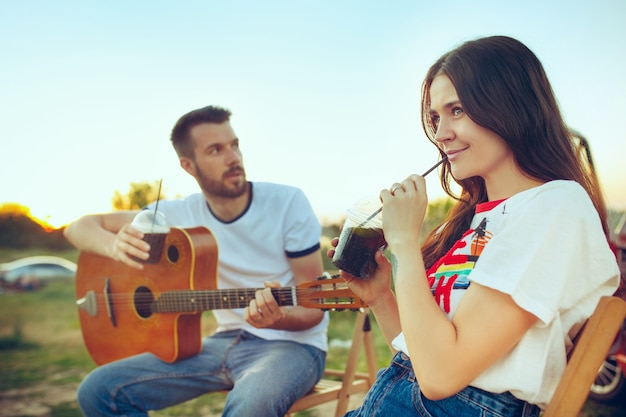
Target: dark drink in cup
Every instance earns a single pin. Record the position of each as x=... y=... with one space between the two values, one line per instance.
x=155 y=229
x=361 y=237
x=355 y=251
x=156 y=242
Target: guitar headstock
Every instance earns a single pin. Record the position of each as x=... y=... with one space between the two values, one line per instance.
x=328 y=293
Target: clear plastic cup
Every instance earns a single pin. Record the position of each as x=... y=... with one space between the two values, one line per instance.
x=360 y=239
x=155 y=228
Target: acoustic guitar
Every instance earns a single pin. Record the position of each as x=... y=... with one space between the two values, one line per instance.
x=124 y=311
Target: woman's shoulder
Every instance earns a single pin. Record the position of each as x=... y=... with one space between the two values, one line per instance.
x=557 y=192
x=556 y=201
x=563 y=186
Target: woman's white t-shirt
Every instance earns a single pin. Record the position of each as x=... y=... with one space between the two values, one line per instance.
x=545 y=247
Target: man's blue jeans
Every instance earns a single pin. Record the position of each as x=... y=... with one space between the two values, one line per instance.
x=265 y=378
x=396 y=393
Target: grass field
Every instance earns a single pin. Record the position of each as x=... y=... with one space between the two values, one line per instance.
x=42 y=357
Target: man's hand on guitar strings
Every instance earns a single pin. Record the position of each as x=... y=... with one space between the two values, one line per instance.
x=263 y=311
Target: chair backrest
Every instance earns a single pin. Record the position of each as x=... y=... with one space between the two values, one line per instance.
x=589 y=353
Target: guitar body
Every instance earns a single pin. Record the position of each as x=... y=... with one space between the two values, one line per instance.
x=113 y=299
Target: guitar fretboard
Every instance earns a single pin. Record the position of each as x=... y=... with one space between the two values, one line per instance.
x=192 y=301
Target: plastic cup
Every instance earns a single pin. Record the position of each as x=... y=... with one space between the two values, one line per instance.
x=155 y=228
x=360 y=239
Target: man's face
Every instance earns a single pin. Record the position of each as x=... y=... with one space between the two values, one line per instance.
x=217 y=164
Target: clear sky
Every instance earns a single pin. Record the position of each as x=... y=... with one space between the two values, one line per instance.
x=325 y=94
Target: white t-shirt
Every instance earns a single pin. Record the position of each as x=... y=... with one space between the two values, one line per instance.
x=545 y=247
x=278 y=224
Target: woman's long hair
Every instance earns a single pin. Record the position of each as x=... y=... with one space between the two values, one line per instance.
x=503 y=87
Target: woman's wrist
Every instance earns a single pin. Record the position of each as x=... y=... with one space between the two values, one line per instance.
x=404 y=249
x=384 y=299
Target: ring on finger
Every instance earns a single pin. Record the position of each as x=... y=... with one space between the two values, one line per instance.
x=396 y=188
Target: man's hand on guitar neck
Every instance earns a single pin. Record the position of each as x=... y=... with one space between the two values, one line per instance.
x=264 y=311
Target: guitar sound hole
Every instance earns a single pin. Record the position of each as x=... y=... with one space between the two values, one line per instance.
x=172 y=253
x=143 y=302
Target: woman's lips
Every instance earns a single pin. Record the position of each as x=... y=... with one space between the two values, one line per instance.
x=453 y=154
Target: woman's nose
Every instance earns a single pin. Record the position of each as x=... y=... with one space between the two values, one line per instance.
x=444 y=132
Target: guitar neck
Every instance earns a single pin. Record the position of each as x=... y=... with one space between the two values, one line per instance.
x=202 y=300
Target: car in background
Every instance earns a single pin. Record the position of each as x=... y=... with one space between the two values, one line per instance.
x=31 y=273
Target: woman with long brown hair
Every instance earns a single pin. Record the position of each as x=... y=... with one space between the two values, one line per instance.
x=482 y=314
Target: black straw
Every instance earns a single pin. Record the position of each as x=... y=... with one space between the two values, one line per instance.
x=156 y=206
x=432 y=168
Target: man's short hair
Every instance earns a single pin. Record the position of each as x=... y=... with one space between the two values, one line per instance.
x=181 y=138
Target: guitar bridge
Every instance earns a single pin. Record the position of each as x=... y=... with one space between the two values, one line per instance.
x=88 y=303
x=107 y=301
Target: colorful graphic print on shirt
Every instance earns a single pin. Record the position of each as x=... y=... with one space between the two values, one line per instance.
x=450 y=274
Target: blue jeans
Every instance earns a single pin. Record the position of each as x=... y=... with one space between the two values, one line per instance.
x=264 y=377
x=396 y=393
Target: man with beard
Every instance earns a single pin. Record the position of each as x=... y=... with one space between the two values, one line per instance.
x=266 y=355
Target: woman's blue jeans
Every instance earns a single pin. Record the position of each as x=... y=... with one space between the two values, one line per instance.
x=396 y=393
x=264 y=378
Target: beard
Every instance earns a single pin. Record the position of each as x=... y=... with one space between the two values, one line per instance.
x=219 y=188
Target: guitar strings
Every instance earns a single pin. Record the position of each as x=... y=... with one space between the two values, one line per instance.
x=215 y=294
x=130 y=300
x=324 y=283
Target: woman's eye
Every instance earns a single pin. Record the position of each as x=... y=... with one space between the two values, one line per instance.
x=457 y=111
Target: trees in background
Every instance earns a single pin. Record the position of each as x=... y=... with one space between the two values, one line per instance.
x=20 y=230
x=139 y=195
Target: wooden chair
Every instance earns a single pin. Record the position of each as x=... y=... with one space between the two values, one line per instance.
x=591 y=347
x=349 y=381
